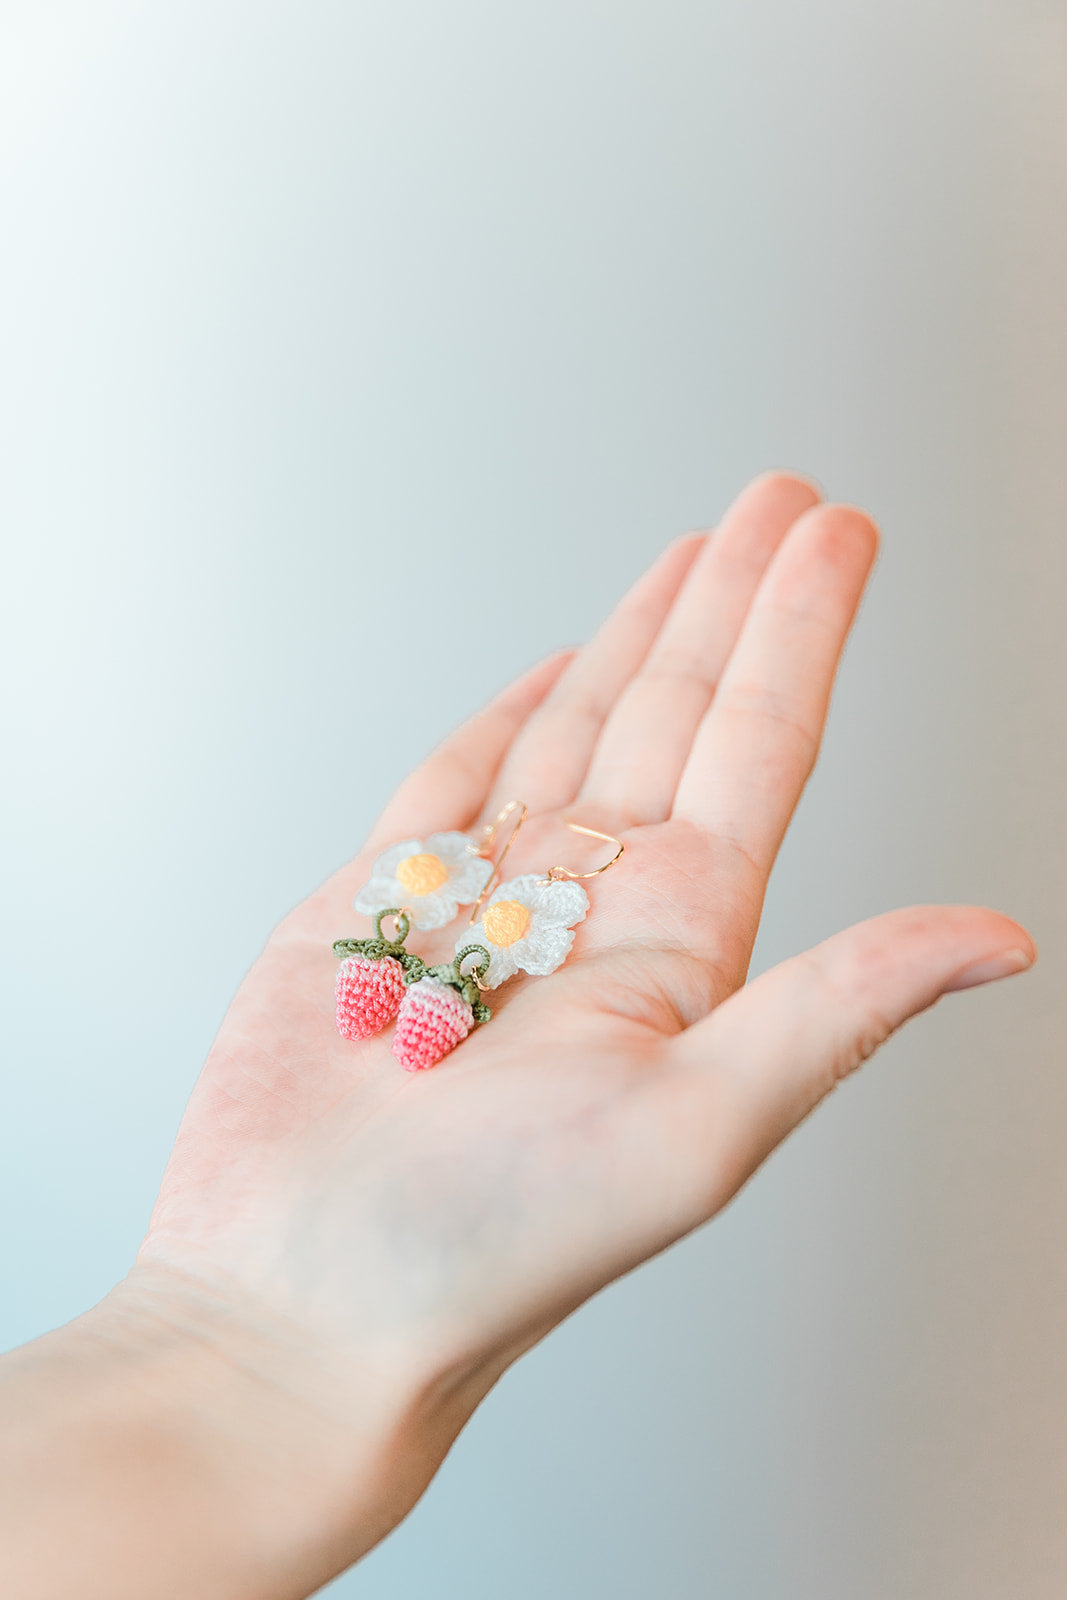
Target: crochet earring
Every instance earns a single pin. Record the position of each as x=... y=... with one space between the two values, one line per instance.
x=441 y=1005
x=435 y=1007
x=431 y=879
x=527 y=924
x=439 y=1008
x=379 y=978
x=419 y=884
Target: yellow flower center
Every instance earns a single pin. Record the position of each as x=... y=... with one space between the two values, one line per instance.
x=505 y=922
x=421 y=875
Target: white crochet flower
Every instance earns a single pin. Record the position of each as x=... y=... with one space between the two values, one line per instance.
x=527 y=926
x=430 y=879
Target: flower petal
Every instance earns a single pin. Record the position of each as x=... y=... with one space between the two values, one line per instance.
x=523 y=889
x=561 y=901
x=451 y=848
x=431 y=910
x=544 y=949
x=376 y=894
x=468 y=878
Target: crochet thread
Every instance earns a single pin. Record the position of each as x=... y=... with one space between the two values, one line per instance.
x=436 y=1007
x=438 y=1011
x=433 y=1019
x=367 y=995
x=371 y=978
x=431 y=878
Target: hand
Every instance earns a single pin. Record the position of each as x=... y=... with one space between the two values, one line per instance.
x=410 y=1235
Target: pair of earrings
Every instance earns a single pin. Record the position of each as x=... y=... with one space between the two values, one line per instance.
x=524 y=925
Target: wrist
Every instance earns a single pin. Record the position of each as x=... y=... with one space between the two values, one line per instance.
x=209 y=1448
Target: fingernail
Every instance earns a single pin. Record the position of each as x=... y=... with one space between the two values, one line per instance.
x=1002 y=966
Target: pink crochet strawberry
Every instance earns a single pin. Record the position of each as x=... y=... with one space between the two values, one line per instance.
x=368 y=994
x=433 y=1019
x=371 y=978
x=439 y=1010
x=435 y=1007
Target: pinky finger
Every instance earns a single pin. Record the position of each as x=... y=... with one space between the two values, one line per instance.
x=447 y=791
x=450 y=787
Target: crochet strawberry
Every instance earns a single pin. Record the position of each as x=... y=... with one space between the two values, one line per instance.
x=433 y=1019
x=438 y=1011
x=368 y=995
x=436 y=1007
x=371 y=978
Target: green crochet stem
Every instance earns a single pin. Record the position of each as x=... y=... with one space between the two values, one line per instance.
x=378 y=947
x=464 y=983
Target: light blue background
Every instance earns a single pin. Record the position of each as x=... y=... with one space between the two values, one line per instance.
x=345 y=342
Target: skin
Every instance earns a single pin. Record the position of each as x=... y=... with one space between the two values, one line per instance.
x=344 y=1258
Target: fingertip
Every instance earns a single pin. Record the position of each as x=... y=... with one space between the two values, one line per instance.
x=843 y=531
x=531 y=687
x=827 y=556
x=556 y=660
x=944 y=948
x=688 y=542
x=863 y=526
x=1021 y=938
x=653 y=590
x=784 y=478
x=785 y=495
x=1005 y=965
x=788 y=494
x=1009 y=949
x=547 y=672
x=994 y=928
x=680 y=556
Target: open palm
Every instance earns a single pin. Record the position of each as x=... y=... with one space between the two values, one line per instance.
x=456 y=1215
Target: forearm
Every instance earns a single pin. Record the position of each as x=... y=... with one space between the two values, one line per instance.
x=164 y=1445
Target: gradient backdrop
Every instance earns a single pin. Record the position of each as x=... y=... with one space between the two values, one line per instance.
x=350 y=347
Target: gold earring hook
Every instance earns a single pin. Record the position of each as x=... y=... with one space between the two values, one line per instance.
x=489 y=833
x=554 y=874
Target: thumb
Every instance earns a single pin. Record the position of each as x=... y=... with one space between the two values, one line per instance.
x=759 y=1063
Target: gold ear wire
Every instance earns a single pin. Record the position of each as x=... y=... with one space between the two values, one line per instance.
x=489 y=833
x=555 y=873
